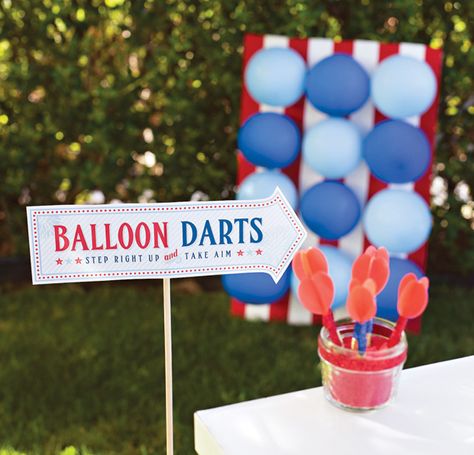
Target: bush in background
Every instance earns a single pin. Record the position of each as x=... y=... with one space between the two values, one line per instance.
x=139 y=100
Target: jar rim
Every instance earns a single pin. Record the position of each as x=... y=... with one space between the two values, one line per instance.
x=346 y=325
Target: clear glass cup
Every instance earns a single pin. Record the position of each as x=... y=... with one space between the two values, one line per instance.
x=361 y=382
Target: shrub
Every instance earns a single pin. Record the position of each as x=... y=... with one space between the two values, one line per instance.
x=139 y=100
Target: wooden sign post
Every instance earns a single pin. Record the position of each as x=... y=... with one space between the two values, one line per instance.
x=81 y=243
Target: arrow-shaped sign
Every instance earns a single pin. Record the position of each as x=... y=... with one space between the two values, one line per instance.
x=132 y=241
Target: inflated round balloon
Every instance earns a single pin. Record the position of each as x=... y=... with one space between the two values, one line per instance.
x=260 y=185
x=398 y=220
x=256 y=287
x=337 y=85
x=403 y=86
x=397 y=152
x=269 y=140
x=275 y=76
x=387 y=299
x=332 y=147
x=330 y=209
x=340 y=269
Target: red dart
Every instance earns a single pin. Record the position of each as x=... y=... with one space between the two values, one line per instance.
x=412 y=301
x=361 y=304
x=307 y=262
x=316 y=293
x=316 y=289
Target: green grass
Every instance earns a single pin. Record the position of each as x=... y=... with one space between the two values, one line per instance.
x=84 y=367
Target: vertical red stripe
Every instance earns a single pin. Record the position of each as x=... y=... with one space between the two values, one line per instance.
x=237 y=308
x=428 y=123
x=252 y=44
x=344 y=47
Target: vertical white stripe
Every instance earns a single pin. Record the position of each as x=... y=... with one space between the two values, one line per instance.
x=367 y=54
x=268 y=108
x=257 y=312
x=318 y=48
x=262 y=312
x=275 y=41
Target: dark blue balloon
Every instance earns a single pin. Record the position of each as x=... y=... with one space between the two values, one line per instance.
x=330 y=209
x=387 y=299
x=269 y=140
x=256 y=287
x=397 y=152
x=337 y=85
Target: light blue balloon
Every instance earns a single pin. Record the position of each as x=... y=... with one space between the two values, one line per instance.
x=340 y=269
x=276 y=76
x=403 y=86
x=261 y=185
x=333 y=147
x=398 y=220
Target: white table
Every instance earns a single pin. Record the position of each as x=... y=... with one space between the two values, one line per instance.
x=433 y=414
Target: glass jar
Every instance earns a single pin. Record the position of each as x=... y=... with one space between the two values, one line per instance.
x=361 y=381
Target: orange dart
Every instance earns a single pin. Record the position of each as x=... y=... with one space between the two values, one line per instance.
x=374 y=264
x=316 y=293
x=361 y=304
x=412 y=301
x=361 y=307
x=316 y=289
x=307 y=262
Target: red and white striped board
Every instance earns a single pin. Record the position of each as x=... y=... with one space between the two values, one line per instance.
x=361 y=181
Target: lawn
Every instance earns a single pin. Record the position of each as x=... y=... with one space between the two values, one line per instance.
x=83 y=366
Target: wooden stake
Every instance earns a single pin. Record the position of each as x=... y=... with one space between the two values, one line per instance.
x=168 y=365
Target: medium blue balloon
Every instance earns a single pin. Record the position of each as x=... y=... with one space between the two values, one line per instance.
x=261 y=185
x=330 y=209
x=340 y=269
x=398 y=220
x=397 y=152
x=337 y=85
x=275 y=76
x=403 y=86
x=256 y=287
x=269 y=140
x=333 y=147
x=387 y=299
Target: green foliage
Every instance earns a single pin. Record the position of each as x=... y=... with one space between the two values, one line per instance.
x=84 y=368
x=140 y=99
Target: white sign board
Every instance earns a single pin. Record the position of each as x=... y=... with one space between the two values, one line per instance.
x=133 y=241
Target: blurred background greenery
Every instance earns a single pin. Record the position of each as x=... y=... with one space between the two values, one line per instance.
x=139 y=100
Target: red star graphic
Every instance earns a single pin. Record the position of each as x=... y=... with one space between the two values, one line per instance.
x=259 y=252
x=240 y=253
x=78 y=261
x=59 y=262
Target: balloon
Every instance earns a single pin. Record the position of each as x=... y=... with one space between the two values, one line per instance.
x=403 y=86
x=340 y=266
x=398 y=220
x=261 y=185
x=275 y=76
x=332 y=147
x=387 y=299
x=397 y=152
x=330 y=209
x=337 y=85
x=256 y=287
x=269 y=140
